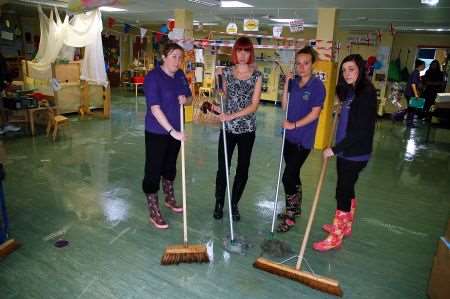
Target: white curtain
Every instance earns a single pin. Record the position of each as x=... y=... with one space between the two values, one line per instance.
x=58 y=39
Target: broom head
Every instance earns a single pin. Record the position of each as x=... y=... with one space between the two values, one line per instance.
x=8 y=247
x=176 y=254
x=320 y=283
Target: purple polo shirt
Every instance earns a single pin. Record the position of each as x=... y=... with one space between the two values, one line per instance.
x=342 y=127
x=301 y=102
x=414 y=78
x=163 y=90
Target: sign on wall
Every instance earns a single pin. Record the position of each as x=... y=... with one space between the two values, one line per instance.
x=251 y=25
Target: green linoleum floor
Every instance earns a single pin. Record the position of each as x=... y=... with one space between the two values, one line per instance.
x=86 y=188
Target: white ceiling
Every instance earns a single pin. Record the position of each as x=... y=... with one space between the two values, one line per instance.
x=405 y=15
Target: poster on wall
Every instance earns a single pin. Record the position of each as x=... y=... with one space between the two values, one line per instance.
x=232 y=28
x=296 y=25
x=251 y=25
x=277 y=30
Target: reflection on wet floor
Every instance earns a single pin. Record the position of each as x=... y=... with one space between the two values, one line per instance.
x=86 y=188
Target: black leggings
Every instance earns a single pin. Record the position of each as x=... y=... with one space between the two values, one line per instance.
x=161 y=152
x=347 y=175
x=294 y=157
x=244 y=144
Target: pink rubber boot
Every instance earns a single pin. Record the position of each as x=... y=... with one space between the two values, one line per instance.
x=348 y=228
x=334 y=239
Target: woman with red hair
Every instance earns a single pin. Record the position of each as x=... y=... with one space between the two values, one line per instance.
x=242 y=90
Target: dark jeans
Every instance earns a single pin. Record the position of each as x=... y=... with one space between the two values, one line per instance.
x=294 y=157
x=244 y=144
x=161 y=152
x=347 y=175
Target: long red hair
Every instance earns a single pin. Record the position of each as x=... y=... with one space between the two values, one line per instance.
x=243 y=43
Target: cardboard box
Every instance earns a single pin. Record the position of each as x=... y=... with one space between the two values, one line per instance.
x=439 y=286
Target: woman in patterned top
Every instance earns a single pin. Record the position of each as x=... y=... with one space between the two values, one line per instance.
x=242 y=89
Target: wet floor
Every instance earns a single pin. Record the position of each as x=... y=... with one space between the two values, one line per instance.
x=86 y=189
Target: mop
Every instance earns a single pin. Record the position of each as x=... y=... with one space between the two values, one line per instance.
x=312 y=280
x=271 y=245
x=232 y=243
x=184 y=253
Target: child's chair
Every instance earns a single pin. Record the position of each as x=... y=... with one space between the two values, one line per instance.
x=55 y=121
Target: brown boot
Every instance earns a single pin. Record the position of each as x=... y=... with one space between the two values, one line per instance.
x=170 y=200
x=155 y=214
x=288 y=218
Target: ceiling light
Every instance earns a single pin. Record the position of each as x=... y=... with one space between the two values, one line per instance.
x=234 y=4
x=111 y=9
x=433 y=29
x=210 y=24
x=205 y=2
x=282 y=20
x=429 y=2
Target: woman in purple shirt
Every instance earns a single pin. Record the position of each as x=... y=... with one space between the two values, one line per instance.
x=307 y=94
x=353 y=145
x=165 y=88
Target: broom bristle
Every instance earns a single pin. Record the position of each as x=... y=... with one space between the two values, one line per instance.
x=176 y=254
x=7 y=247
x=320 y=283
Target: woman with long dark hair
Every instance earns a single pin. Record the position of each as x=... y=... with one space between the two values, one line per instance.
x=353 y=146
x=242 y=89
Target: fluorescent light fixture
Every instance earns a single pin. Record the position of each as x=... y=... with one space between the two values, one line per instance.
x=282 y=20
x=231 y=4
x=210 y=24
x=429 y=2
x=111 y=9
x=433 y=29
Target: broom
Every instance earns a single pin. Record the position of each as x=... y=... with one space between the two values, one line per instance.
x=317 y=282
x=184 y=253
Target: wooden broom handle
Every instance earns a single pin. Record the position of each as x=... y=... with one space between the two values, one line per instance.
x=323 y=172
x=183 y=177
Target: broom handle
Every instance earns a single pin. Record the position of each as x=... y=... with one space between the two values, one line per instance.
x=183 y=177
x=323 y=172
x=225 y=150
x=279 y=170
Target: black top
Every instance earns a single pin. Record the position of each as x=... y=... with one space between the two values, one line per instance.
x=361 y=124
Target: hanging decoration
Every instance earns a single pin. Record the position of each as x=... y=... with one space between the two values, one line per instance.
x=368 y=39
x=379 y=35
x=277 y=30
x=232 y=28
x=296 y=25
x=251 y=25
x=337 y=48
x=392 y=29
x=143 y=31
x=176 y=34
x=111 y=21
x=164 y=28
x=171 y=24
